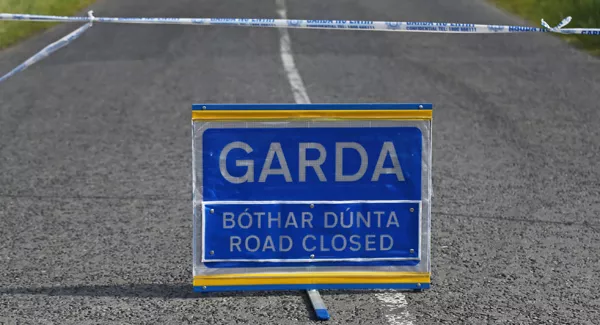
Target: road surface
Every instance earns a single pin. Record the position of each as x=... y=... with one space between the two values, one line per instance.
x=95 y=162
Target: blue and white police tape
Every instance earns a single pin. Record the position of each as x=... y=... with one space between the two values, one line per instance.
x=395 y=26
x=367 y=25
x=45 y=52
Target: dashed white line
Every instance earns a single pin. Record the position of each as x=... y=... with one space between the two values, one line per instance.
x=398 y=306
x=287 y=57
x=394 y=301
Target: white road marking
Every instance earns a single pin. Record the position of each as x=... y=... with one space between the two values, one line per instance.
x=398 y=305
x=394 y=301
x=287 y=57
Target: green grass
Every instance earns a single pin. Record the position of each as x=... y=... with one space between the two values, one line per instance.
x=585 y=13
x=12 y=32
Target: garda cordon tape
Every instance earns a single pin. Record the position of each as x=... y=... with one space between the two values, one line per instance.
x=364 y=25
x=393 y=26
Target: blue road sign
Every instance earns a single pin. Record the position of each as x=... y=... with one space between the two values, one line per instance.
x=362 y=188
x=311 y=196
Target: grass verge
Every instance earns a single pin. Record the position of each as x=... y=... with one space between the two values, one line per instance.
x=585 y=13
x=12 y=32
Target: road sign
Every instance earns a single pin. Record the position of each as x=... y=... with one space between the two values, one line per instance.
x=311 y=196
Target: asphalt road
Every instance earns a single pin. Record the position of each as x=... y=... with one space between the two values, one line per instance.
x=95 y=163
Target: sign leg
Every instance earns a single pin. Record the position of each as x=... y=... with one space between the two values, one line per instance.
x=318 y=304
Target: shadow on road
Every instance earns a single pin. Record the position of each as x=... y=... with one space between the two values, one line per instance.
x=163 y=291
x=179 y=291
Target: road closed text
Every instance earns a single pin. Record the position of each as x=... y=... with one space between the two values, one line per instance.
x=303 y=231
x=311 y=243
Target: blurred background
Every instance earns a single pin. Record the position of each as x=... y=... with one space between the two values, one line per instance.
x=585 y=13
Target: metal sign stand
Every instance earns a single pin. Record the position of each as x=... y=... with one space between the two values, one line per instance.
x=318 y=304
x=311 y=196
